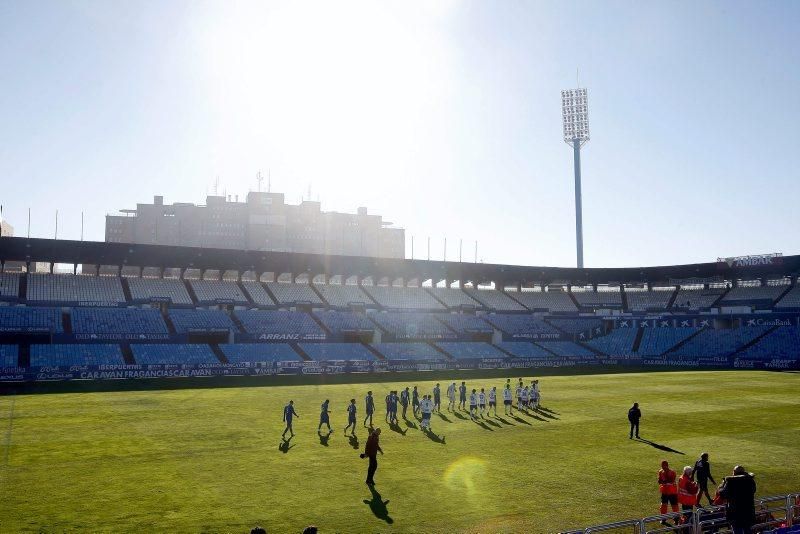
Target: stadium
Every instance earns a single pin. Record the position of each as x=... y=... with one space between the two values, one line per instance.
x=184 y=357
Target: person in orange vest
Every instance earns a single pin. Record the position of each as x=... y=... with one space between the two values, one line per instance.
x=687 y=493
x=668 y=487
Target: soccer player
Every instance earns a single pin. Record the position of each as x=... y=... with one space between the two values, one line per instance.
x=437 y=398
x=519 y=395
x=288 y=413
x=324 y=418
x=451 y=396
x=351 y=416
x=404 y=401
x=393 y=407
x=536 y=396
x=388 y=401
x=369 y=406
x=426 y=407
x=524 y=398
x=508 y=399
x=462 y=396
x=415 y=401
x=473 y=405
x=482 y=402
x=492 y=400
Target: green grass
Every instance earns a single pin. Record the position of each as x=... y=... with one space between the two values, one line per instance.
x=208 y=459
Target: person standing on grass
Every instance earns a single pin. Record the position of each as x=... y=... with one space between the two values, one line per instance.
x=518 y=393
x=324 y=418
x=634 y=414
x=288 y=413
x=508 y=399
x=492 y=400
x=426 y=407
x=451 y=397
x=415 y=401
x=388 y=401
x=369 y=407
x=404 y=401
x=702 y=472
x=473 y=405
x=482 y=401
x=687 y=494
x=525 y=397
x=462 y=396
x=371 y=450
x=668 y=487
x=437 y=398
x=536 y=395
x=393 y=406
x=351 y=416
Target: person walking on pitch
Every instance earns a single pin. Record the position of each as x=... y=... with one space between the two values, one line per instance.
x=451 y=397
x=388 y=401
x=369 y=406
x=324 y=417
x=351 y=416
x=702 y=472
x=437 y=398
x=426 y=407
x=473 y=405
x=519 y=395
x=371 y=450
x=404 y=401
x=492 y=400
x=415 y=401
x=393 y=407
x=462 y=396
x=288 y=413
x=482 y=402
x=508 y=399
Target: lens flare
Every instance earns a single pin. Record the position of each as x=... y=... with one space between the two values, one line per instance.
x=463 y=473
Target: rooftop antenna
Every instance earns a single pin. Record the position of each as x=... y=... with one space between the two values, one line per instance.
x=259 y=179
x=269 y=180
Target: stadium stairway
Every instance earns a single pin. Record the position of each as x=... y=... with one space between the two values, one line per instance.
x=574 y=300
x=299 y=350
x=592 y=349
x=638 y=341
x=270 y=293
x=218 y=352
x=437 y=299
x=671 y=301
x=440 y=351
x=168 y=321
x=374 y=351
x=236 y=321
x=126 y=289
x=774 y=302
x=624 y=298
x=191 y=292
x=682 y=342
x=319 y=322
x=127 y=354
x=754 y=341
x=66 y=322
x=22 y=290
x=24 y=358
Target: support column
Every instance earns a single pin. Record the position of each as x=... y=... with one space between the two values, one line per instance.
x=576 y=147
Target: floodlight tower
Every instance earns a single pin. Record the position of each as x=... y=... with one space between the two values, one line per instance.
x=575 y=112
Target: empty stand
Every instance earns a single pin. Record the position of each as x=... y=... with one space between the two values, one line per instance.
x=75 y=354
x=470 y=350
x=257 y=293
x=644 y=301
x=292 y=294
x=524 y=349
x=117 y=321
x=554 y=301
x=697 y=299
x=336 y=351
x=278 y=325
x=9 y=286
x=404 y=298
x=218 y=291
x=744 y=295
x=576 y=326
x=790 y=299
x=339 y=322
x=149 y=289
x=781 y=343
x=657 y=341
x=410 y=325
x=566 y=349
x=343 y=296
x=495 y=300
x=453 y=298
x=618 y=342
x=9 y=356
x=408 y=351
x=200 y=320
x=465 y=324
x=178 y=354
x=598 y=299
x=259 y=352
x=521 y=325
x=74 y=289
x=29 y=319
x=718 y=342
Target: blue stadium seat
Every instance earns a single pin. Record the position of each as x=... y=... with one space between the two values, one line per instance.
x=148 y=289
x=520 y=325
x=291 y=294
x=342 y=296
x=117 y=321
x=9 y=355
x=461 y=350
x=410 y=325
x=260 y=352
x=657 y=341
x=408 y=351
x=465 y=324
x=782 y=343
x=576 y=326
x=77 y=354
x=566 y=349
x=200 y=320
x=177 y=354
x=280 y=324
x=453 y=297
x=494 y=300
x=524 y=349
x=339 y=322
x=25 y=319
x=9 y=286
x=722 y=342
x=75 y=289
x=218 y=291
x=404 y=298
x=618 y=342
x=337 y=351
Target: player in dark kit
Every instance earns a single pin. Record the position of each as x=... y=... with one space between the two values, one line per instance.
x=324 y=418
x=288 y=413
x=437 y=398
x=702 y=472
x=415 y=401
x=634 y=414
x=369 y=407
x=462 y=396
x=404 y=395
x=351 y=416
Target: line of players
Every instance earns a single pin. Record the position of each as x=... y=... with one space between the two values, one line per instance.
x=480 y=403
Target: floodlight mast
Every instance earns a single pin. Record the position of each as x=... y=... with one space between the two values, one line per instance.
x=575 y=113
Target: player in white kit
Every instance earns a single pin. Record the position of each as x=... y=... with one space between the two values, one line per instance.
x=524 y=398
x=493 y=400
x=473 y=405
x=508 y=399
x=451 y=397
x=519 y=396
x=482 y=401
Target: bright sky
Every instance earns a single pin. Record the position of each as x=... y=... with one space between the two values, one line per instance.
x=442 y=116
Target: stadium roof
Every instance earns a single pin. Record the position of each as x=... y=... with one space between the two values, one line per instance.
x=120 y=254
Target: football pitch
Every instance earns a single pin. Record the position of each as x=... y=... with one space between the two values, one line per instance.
x=212 y=460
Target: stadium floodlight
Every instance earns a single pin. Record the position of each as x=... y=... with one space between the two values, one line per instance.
x=575 y=113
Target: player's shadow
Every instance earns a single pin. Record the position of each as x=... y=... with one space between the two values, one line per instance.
x=354 y=441
x=659 y=446
x=444 y=417
x=378 y=506
x=483 y=425
x=504 y=421
x=547 y=414
x=538 y=418
x=435 y=438
x=409 y=424
x=396 y=428
x=548 y=410
x=323 y=438
x=460 y=416
x=520 y=420
x=493 y=423
x=285 y=445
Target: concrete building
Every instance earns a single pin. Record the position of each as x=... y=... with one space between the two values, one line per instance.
x=263 y=222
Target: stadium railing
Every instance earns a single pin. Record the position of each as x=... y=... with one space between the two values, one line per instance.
x=772 y=513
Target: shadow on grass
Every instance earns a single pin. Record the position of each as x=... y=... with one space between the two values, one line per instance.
x=483 y=425
x=444 y=417
x=433 y=437
x=538 y=418
x=323 y=438
x=460 y=416
x=659 y=446
x=547 y=414
x=394 y=427
x=493 y=423
x=504 y=421
x=378 y=506
x=548 y=410
x=409 y=424
x=354 y=441
x=285 y=446
x=520 y=420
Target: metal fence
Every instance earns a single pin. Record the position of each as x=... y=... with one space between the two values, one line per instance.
x=771 y=513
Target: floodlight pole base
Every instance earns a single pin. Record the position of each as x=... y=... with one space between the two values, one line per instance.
x=576 y=147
